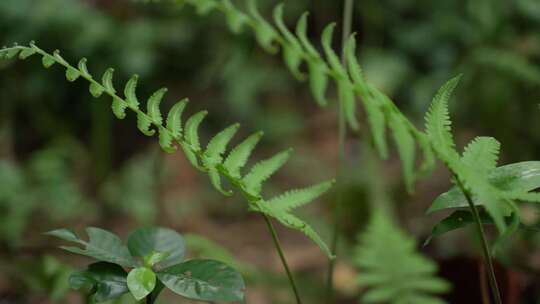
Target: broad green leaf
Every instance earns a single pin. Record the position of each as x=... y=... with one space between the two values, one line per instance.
x=520 y=177
x=141 y=282
x=298 y=197
x=174 y=118
x=146 y=241
x=153 y=105
x=130 y=91
x=107 y=281
x=102 y=246
x=218 y=144
x=438 y=124
x=263 y=170
x=238 y=157
x=204 y=280
x=64 y=234
x=191 y=134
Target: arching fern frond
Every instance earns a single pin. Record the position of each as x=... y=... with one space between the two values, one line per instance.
x=391 y=270
x=321 y=69
x=172 y=134
x=474 y=168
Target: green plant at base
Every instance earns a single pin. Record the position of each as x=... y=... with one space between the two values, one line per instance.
x=391 y=269
x=209 y=160
x=155 y=260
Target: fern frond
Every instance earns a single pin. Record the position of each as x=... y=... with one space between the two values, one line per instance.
x=438 y=124
x=391 y=269
x=348 y=78
x=406 y=148
x=293 y=199
x=263 y=170
x=192 y=130
x=482 y=153
x=240 y=154
x=187 y=137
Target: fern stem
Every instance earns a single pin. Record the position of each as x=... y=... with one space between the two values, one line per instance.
x=496 y=294
x=277 y=244
x=342 y=134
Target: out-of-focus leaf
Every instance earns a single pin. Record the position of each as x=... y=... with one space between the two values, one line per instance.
x=107 y=280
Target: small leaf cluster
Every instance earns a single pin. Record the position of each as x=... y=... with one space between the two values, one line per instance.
x=152 y=260
x=390 y=268
x=211 y=159
x=350 y=83
x=475 y=170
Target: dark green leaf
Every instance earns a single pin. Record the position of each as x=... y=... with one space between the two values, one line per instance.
x=523 y=176
x=204 y=280
x=107 y=281
x=102 y=245
x=145 y=241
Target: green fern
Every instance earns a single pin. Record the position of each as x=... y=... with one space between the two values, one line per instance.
x=210 y=159
x=473 y=167
x=348 y=78
x=390 y=268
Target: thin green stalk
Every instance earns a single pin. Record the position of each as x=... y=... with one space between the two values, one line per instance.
x=342 y=134
x=282 y=257
x=496 y=294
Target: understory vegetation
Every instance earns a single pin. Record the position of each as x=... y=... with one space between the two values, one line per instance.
x=416 y=140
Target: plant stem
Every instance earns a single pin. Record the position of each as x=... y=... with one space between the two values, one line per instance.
x=282 y=257
x=342 y=134
x=496 y=294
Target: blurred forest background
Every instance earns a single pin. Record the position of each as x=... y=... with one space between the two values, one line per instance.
x=65 y=161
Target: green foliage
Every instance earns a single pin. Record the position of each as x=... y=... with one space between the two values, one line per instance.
x=45 y=275
x=349 y=80
x=208 y=160
x=106 y=281
x=156 y=258
x=45 y=184
x=390 y=268
x=204 y=280
x=473 y=167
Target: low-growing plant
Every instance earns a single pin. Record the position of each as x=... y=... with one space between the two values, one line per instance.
x=484 y=190
x=152 y=260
